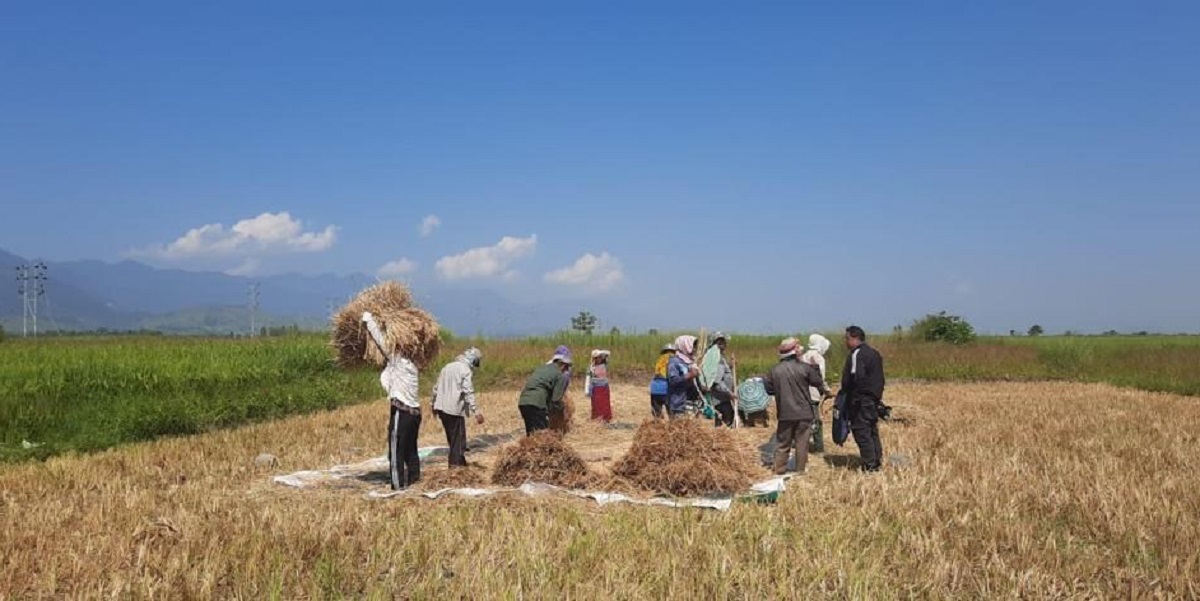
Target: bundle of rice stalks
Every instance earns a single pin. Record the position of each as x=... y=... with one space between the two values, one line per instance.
x=560 y=421
x=407 y=329
x=686 y=457
x=541 y=457
x=471 y=476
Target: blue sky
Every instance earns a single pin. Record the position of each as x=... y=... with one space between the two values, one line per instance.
x=771 y=167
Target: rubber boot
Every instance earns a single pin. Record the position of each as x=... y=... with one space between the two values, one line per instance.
x=818 y=437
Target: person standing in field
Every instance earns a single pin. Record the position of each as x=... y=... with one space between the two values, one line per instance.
x=789 y=381
x=399 y=379
x=543 y=392
x=595 y=386
x=658 y=383
x=681 y=376
x=454 y=400
x=723 y=388
x=862 y=383
x=818 y=345
x=562 y=415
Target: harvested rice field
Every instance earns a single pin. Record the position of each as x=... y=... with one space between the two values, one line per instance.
x=1046 y=490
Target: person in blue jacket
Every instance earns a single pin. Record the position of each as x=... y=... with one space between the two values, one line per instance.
x=682 y=372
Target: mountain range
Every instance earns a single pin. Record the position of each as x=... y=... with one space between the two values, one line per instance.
x=95 y=295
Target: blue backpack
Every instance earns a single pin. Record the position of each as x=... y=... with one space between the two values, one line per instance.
x=841 y=420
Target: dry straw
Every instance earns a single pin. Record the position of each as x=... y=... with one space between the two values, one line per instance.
x=541 y=457
x=407 y=329
x=470 y=476
x=686 y=457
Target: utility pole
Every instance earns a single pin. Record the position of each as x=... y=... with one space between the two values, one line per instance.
x=31 y=284
x=330 y=306
x=253 y=307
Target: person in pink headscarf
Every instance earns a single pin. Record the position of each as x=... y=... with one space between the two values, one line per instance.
x=682 y=372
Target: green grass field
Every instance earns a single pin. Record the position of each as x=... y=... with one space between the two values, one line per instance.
x=84 y=394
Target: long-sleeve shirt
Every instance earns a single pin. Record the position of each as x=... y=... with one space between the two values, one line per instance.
x=723 y=385
x=862 y=377
x=399 y=376
x=454 y=392
x=597 y=375
x=815 y=359
x=544 y=388
x=789 y=381
x=677 y=384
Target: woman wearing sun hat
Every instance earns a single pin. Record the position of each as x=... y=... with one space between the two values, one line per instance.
x=595 y=386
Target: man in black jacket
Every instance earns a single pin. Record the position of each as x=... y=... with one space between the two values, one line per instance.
x=863 y=381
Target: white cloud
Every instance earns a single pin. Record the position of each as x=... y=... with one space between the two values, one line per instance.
x=598 y=273
x=487 y=261
x=269 y=233
x=397 y=268
x=429 y=224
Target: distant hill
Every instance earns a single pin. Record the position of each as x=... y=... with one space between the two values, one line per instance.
x=89 y=295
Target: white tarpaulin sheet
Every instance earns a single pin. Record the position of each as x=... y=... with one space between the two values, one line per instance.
x=766 y=490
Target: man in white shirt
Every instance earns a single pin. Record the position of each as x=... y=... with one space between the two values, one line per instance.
x=454 y=399
x=399 y=379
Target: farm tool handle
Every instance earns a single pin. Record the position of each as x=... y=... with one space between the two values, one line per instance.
x=737 y=420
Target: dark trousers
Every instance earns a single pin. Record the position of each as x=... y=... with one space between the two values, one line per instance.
x=724 y=414
x=536 y=418
x=755 y=418
x=404 y=465
x=658 y=405
x=456 y=437
x=789 y=434
x=864 y=426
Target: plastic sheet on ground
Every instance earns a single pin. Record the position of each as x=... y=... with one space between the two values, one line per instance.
x=766 y=491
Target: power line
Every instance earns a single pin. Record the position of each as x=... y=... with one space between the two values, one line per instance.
x=255 y=289
x=31 y=285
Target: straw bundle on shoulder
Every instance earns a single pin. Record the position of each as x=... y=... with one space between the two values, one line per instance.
x=541 y=457
x=686 y=457
x=407 y=329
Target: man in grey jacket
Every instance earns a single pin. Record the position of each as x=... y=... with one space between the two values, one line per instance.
x=789 y=381
x=454 y=399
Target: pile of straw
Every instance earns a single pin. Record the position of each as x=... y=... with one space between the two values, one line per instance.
x=470 y=476
x=686 y=457
x=544 y=458
x=408 y=329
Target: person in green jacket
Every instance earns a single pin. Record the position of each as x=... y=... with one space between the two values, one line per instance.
x=543 y=392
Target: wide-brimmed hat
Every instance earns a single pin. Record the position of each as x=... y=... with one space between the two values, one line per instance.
x=600 y=353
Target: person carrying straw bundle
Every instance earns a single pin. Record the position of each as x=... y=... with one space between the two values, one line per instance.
x=399 y=379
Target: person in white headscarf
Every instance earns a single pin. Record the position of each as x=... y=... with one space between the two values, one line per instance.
x=454 y=399
x=681 y=376
x=818 y=345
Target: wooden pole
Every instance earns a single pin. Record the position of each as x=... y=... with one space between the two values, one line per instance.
x=737 y=419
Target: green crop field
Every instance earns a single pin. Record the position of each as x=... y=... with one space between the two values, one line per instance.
x=85 y=394
x=92 y=393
